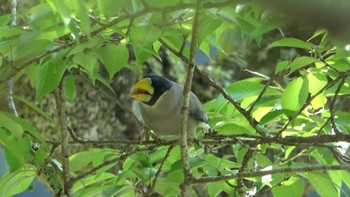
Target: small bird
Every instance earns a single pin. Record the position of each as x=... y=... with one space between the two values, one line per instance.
x=160 y=106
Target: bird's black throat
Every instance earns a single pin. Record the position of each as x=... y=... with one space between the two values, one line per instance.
x=160 y=85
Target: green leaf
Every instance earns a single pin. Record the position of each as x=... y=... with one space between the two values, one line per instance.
x=161 y=4
x=114 y=57
x=17 y=150
x=233 y=128
x=32 y=73
x=345 y=177
x=91 y=180
x=70 y=87
x=290 y=188
x=10 y=31
x=17 y=181
x=88 y=61
x=342 y=118
x=49 y=76
x=143 y=53
x=40 y=157
x=62 y=9
x=83 y=15
x=301 y=62
x=215 y=188
x=282 y=66
x=207 y=26
x=110 y=8
x=319 y=101
x=272 y=115
x=145 y=35
x=7 y=121
x=291 y=42
x=294 y=96
x=34 y=107
x=322 y=184
x=104 y=82
x=26 y=51
x=245 y=88
x=91 y=156
x=5 y=19
x=317 y=81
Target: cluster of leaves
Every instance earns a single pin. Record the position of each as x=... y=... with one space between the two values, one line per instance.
x=59 y=38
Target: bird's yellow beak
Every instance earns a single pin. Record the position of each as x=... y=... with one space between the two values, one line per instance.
x=142 y=90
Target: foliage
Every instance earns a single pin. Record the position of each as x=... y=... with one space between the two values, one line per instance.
x=265 y=122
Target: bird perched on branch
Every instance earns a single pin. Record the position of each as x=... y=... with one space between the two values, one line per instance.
x=160 y=106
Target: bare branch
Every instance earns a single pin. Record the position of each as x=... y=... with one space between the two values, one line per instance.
x=60 y=99
x=243 y=168
x=185 y=105
x=247 y=140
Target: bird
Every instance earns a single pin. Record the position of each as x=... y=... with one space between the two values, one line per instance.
x=160 y=102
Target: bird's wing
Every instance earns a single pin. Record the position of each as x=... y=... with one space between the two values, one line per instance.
x=196 y=109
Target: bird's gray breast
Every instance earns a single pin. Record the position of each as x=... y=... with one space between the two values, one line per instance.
x=164 y=116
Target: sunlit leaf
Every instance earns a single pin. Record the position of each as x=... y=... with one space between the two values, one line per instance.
x=322 y=184
x=301 y=62
x=17 y=181
x=294 y=96
x=290 y=188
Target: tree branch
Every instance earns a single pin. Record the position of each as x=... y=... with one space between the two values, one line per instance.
x=10 y=101
x=248 y=140
x=64 y=136
x=185 y=105
x=270 y=172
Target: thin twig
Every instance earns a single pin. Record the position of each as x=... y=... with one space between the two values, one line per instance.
x=332 y=105
x=243 y=168
x=154 y=182
x=267 y=85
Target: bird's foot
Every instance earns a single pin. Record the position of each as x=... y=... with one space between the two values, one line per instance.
x=146 y=135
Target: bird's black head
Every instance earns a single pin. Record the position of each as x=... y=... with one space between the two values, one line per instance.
x=150 y=88
x=160 y=85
